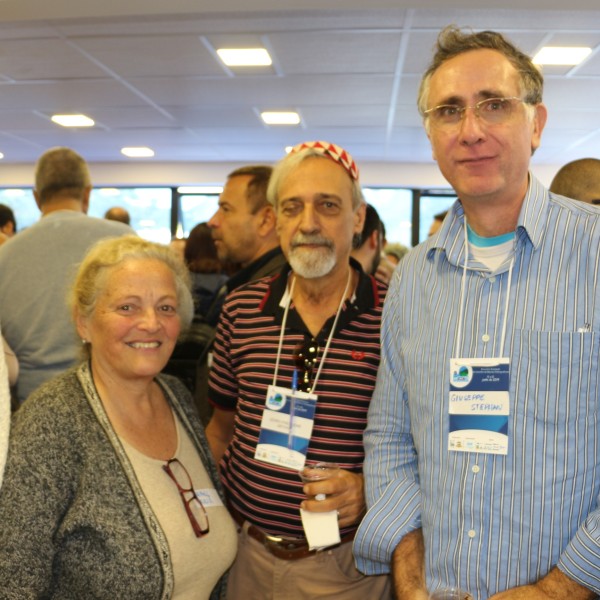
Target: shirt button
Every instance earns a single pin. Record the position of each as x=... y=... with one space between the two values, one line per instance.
x=485 y=337
x=472 y=533
x=492 y=279
x=475 y=469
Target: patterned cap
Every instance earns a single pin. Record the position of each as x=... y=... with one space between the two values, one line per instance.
x=332 y=151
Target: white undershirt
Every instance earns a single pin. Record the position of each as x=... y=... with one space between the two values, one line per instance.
x=491 y=256
x=197 y=562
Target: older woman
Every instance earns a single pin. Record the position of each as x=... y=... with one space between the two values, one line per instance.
x=110 y=490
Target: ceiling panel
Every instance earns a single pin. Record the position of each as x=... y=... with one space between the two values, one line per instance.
x=45 y=58
x=147 y=73
x=151 y=55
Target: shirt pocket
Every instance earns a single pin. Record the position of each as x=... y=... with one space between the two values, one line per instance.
x=554 y=434
x=554 y=428
x=554 y=377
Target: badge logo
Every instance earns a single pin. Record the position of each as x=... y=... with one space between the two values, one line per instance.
x=461 y=376
x=276 y=401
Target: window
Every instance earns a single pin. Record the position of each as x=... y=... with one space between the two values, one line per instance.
x=196 y=208
x=432 y=203
x=160 y=213
x=149 y=208
x=23 y=206
x=394 y=206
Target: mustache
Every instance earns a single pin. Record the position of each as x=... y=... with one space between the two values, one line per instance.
x=315 y=239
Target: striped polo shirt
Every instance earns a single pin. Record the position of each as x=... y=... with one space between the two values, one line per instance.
x=243 y=367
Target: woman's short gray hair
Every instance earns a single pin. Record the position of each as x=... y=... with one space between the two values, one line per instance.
x=111 y=252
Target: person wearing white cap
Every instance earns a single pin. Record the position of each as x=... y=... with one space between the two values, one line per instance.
x=294 y=366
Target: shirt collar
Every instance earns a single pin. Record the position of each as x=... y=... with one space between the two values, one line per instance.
x=530 y=224
x=366 y=296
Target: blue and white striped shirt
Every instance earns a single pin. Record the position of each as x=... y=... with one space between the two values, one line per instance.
x=492 y=522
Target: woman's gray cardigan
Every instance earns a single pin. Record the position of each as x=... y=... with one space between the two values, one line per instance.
x=74 y=523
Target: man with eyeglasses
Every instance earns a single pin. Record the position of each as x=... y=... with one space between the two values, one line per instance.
x=482 y=463
x=294 y=367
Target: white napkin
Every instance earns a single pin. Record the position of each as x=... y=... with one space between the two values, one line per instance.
x=321 y=528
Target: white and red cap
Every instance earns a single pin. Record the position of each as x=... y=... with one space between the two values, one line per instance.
x=333 y=151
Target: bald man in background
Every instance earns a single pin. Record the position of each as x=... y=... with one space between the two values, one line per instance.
x=118 y=213
x=579 y=179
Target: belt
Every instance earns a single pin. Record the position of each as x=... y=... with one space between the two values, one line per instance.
x=281 y=547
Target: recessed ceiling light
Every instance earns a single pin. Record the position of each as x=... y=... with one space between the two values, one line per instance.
x=203 y=189
x=280 y=117
x=557 y=55
x=73 y=120
x=138 y=152
x=245 y=57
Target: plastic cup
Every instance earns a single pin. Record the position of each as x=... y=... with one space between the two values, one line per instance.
x=318 y=472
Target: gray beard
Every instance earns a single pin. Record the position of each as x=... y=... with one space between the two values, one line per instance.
x=312 y=265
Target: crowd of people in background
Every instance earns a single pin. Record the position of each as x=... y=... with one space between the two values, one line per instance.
x=158 y=402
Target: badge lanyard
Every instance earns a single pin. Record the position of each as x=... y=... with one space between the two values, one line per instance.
x=463 y=300
x=479 y=402
x=288 y=418
x=284 y=321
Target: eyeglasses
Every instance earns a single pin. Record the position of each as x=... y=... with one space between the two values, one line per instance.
x=193 y=507
x=492 y=111
x=305 y=358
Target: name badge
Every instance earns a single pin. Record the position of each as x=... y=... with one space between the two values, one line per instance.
x=479 y=405
x=286 y=427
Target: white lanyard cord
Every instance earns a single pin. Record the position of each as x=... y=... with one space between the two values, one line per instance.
x=284 y=321
x=463 y=300
x=461 y=309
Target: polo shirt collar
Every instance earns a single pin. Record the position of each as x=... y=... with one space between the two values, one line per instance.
x=366 y=297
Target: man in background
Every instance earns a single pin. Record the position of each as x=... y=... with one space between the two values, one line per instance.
x=8 y=223
x=37 y=266
x=579 y=179
x=368 y=247
x=118 y=213
x=243 y=229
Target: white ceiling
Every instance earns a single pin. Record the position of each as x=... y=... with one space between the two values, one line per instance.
x=146 y=72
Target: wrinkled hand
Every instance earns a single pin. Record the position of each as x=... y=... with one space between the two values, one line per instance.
x=344 y=492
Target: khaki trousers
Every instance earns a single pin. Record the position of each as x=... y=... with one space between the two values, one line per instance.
x=330 y=574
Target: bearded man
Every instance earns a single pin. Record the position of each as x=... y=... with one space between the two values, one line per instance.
x=294 y=367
